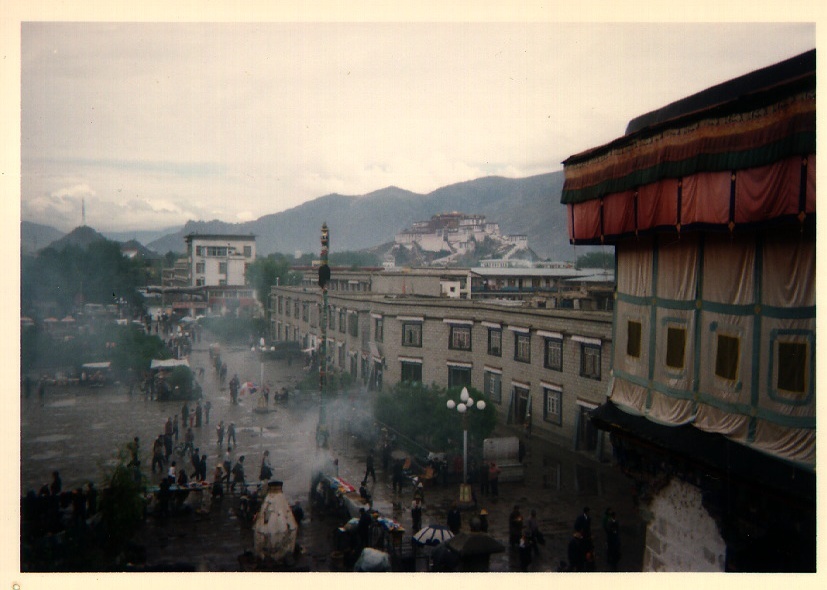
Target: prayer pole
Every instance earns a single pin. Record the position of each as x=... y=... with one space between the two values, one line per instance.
x=324 y=277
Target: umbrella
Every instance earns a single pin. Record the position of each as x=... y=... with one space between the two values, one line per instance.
x=433 y=534
x=467 y=544
x=247 y=387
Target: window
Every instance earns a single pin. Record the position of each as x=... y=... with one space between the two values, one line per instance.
x=412 y=334
x=200 y=267
x=379 y=329
x=553 y=406
x=280 y=304
x=248 y=251
x=287 y=305
x=726 y=357
x=495 y=342
x=459 y=376
x=460 y=338
x=494 y=386
x=633 y=331
x=305 y=311
x=411 y=372
x=553 y=354
x=342 y=320
x=199 y=282
x=792 y=366
x=353 y=366
x=522 y=347
x=675 y=347
x=353 y=324
x=296 y=308
x=199 y=250
x=590 y=361
x=222 y=282
x=341 y=357
x=222 y=268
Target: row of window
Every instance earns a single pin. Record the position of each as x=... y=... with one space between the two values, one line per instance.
x=221 y=251
x=461 y=376
x=460 y=339
x=792 y=356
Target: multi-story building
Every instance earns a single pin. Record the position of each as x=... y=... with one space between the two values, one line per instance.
x=219 y=260
x=710 y=203
x=543 y=366
x=211 y=279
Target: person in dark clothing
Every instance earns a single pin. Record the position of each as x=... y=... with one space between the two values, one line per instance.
x=238 y=474
x=583 y=523
x=363 y=528
x=158 y=453
x=454 y=519
x=369 y=469
x=163 y=497
x=577 y=552
x=483 y=472
x=231 y=434
x=298 y=513
x=185 y=415
x=416 y=515
x=195 y=459
x=57 y=484
x=515 y=526
x=398 y=474
x=494 y=479
x=612 y=541
x=198 y=415
x=207 y=408
x=483 y=520
x=524 y=549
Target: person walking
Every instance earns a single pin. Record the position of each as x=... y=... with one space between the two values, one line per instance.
x=363 y=528
x=583 y=523
x=207 y=407
x=494 y=479
x=238 y=474
x=369 y=468
x=228 y=465
x=266 y=471
x=483 y=474
x=231 y=434
x=158 y=454
x=198 y=415
x=219 y=431
x=577 y=552
x=454 y=520
x=515 y=526
x=535 y=537
x=202 y=468
x=185 y=415
x=195 y=460
x=612 y=541
x=189 y=441
x=416 y=515
x=175 y=427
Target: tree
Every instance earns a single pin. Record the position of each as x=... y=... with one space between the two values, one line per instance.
x=597 y=260
x=420 y=413
x=122 y=503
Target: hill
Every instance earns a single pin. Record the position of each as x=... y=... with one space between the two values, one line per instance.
x=529 y=206
x=35 y=236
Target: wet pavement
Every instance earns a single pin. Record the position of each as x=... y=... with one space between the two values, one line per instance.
x=78 y=431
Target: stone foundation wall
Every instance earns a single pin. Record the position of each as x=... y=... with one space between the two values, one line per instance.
x=681 y=535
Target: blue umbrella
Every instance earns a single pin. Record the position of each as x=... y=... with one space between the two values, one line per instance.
x=432 y=535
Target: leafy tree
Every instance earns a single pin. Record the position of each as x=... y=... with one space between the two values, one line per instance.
x=596 y=260
x=122 y=502
x=420 y=413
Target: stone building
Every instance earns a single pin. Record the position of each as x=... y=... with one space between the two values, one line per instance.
x=710 y=204
x=545 y=367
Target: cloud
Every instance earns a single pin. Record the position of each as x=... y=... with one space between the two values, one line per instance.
x=78 y=190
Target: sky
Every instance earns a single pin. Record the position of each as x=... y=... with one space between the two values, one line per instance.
x=154 y=124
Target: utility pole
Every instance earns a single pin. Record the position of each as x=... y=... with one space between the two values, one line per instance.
x=324 y=278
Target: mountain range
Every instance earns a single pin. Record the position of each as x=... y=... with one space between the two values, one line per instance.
x=528 y=206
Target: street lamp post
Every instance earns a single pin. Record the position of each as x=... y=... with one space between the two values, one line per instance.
x=462 y=407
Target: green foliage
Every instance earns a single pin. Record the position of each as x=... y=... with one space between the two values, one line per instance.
x=181 y=385
x=597 y=260
x=129 y=349
x=122 y=502
x=420 y=413
x=263 y=273
x=75 y=275
x=235 y=330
